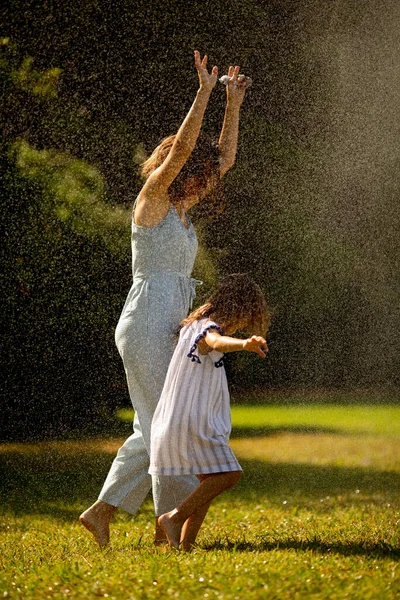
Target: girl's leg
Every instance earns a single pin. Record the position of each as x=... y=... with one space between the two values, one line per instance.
x=211 y=486
x=169 y=491
x=192 y=526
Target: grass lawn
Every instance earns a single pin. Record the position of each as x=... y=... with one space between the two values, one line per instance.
x=316 y=515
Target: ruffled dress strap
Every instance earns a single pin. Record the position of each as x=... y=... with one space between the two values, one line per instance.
x=195 y=357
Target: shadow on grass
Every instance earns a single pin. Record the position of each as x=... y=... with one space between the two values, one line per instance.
x=59 y=483
x=49 y=482
x=378 y=550
x=282 y=481
x=268 y=431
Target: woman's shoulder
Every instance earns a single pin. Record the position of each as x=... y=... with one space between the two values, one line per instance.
x=150 y=209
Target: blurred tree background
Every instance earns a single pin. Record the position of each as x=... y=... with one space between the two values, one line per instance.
x=87 y=91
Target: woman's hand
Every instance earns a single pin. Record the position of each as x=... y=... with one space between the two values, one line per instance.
x=256 y=344
x=236 y=87
x=207 y=80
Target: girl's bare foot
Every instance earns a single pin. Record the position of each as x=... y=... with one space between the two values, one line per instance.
x=160 y=541
x=172 y=528
x=160 y=537
x=96 y=519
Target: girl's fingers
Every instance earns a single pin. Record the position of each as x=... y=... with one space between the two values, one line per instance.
x=214 y=71
x=230 y=71
x=260 y=352
x=261 y=343
x=204 y=61
x=264 y=350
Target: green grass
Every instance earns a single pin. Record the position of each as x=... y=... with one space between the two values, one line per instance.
x=370 y=419
x=316 y=515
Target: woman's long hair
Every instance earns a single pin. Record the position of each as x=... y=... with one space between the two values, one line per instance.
x=203 y=163
x=237 y=300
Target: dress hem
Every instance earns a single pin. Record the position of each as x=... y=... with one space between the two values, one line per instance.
x=196 y=471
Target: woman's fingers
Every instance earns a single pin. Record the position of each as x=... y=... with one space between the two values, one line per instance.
x=235 y=73
x=197 y=60
x=200 y=63
x=207 y=79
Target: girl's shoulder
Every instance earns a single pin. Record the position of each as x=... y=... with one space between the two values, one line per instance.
x=197 y=327
x=196 y=339
x=189 y=330
x=206 y=324
x=197 y=330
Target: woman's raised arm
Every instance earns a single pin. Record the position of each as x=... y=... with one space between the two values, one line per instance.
x=235 y=92
x=154 y=191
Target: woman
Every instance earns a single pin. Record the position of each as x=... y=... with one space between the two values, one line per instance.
x=180 y=173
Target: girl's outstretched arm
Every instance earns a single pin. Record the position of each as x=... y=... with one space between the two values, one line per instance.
x=235 y=92
x=224 y=343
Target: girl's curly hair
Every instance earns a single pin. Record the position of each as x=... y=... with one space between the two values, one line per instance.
x=236 y=300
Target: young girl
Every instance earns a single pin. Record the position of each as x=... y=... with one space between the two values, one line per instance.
x=192 y=423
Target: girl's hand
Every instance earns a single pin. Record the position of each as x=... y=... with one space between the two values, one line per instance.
x=256 y=344
x=235 y=88
x=207 y=80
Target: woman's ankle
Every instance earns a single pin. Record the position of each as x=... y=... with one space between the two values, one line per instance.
x=104 y=508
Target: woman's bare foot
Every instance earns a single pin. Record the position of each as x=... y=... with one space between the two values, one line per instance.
x=96 y=519
x=172 y=528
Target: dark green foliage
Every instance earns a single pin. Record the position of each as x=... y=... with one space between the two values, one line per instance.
x=64 y=274
x=62 y=294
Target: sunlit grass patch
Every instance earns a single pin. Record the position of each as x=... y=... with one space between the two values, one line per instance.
x=370 y=418
x=322 y=449
x=383 y=420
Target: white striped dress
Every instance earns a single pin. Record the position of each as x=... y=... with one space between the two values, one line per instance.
x=192 y=421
